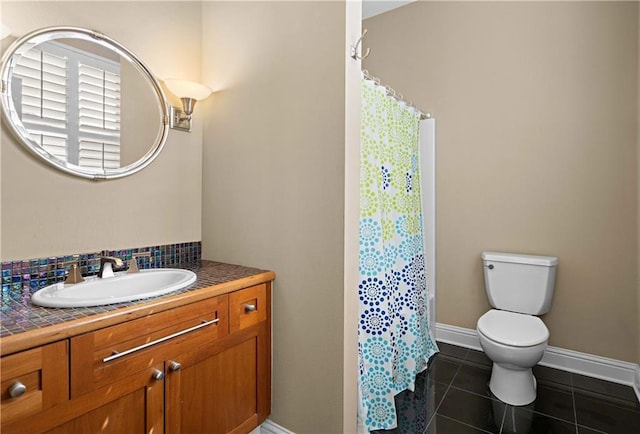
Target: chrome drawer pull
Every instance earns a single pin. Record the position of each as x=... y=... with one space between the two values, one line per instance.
x=17 y=389
x=117 y=355
x=174 y=366
x=249 y=307
x=157 y=375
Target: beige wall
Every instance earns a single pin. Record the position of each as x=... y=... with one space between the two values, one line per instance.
x=45 y=212
x=273 y=184
x=536 y=106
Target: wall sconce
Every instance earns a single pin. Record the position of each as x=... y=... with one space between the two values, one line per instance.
x=189 y=93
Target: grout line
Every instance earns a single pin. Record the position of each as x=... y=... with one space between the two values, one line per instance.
x=448 y=388
x=591 y=429
x=463 y=423
x=504 y=416
x=611 y=398
x=551 y=416
x=573 y=400
x=476 y=393
x=466 y=354
x=444 y=395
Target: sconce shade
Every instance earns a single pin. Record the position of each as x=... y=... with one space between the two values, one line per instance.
x=189 y=93
x=187 y=89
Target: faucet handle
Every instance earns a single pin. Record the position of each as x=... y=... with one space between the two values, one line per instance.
x=74 y=275
x=133 y=266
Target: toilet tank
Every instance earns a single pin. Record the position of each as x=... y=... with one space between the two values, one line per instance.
x=519 y=283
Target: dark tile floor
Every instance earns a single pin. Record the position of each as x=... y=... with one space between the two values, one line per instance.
x=452 y=397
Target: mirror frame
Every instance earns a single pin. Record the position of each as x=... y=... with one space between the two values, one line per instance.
x=20 y=132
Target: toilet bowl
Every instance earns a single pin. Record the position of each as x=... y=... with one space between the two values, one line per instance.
x=515 y=343
x=519 y=288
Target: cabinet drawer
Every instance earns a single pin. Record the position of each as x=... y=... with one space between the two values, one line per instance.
x=104 y=356
x=247 y=307
x=43 y=371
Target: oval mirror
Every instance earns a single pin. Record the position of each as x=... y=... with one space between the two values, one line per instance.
x=83 y=102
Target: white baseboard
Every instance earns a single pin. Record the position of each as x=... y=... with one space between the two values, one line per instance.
x=270 y=427
x=636 y=382
x=460 y=336
x=615 y=371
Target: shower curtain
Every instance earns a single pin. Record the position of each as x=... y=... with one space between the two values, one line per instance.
x=394 y=339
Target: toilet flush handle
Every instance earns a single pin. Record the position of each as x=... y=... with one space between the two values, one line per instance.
x=490 y=266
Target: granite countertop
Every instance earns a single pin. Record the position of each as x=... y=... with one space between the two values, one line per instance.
x=23 y=324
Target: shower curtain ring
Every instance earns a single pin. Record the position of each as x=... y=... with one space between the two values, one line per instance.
x=356 y=48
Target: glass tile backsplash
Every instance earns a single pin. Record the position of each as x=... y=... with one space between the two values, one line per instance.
x=40 y=272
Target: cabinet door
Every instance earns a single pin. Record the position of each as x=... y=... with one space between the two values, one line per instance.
x=139 y=412
x=134 y=405
x=218 y=393
x=33 y=381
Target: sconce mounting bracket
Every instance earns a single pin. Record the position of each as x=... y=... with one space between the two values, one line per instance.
x=178 y=120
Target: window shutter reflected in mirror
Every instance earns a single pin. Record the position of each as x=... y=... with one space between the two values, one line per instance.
x=70 y=101
x=83 y=103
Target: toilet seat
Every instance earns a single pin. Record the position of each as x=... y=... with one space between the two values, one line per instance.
x=513 y=329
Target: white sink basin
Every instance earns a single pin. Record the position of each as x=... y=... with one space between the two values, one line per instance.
x=120 y=288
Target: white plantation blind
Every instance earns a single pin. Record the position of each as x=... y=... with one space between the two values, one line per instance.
x=42 y=87
x=99 y=117
x=70 y=103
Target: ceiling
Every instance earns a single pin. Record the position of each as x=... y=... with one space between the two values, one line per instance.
x=371 y=8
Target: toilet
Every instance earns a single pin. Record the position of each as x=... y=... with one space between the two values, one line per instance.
x=519 y=287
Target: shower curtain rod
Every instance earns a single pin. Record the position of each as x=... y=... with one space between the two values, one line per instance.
x=395 y=95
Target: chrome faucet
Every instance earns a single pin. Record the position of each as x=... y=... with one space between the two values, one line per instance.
x=106 y=266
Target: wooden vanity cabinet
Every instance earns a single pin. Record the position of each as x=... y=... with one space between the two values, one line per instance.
x=184 y=370
x=33 y=381
x=225 y=387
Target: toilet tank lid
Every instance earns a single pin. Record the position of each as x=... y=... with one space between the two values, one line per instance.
x=516 y=258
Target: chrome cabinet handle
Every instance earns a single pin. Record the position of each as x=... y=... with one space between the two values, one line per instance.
x=117 y=355
x=249 y=307
x=17 y=389
x=157 y=374
x=174 y=366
